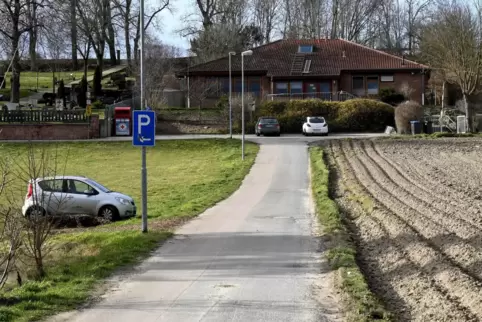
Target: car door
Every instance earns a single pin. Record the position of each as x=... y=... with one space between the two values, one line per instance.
x=54 y=196
x=81 y=200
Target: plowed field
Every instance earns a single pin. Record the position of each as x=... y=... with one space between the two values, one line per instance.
x=415 y=208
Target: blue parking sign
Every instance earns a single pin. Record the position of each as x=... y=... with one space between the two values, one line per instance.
x=144 y=128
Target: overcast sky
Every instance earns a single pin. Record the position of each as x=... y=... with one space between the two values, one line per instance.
x=172 y=21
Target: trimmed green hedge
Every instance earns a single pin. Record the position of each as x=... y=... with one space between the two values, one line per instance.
x=356 y=115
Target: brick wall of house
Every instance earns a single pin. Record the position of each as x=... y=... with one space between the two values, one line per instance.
x=50 y=131
x=414 y=81
x=265 y=86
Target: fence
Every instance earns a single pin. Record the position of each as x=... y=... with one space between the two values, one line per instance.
x=32 y=116
x=328 y=96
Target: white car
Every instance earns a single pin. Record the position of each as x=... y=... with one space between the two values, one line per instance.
x=74 y=195
x=315 y=125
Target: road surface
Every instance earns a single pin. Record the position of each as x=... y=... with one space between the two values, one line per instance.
x=284 y=138
x=252 y=257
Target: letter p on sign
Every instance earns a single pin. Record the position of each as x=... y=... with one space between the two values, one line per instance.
x=142 y=120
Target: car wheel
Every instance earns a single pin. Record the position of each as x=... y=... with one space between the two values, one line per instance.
x=109 y=213
x=257 y=134
x=35 y=211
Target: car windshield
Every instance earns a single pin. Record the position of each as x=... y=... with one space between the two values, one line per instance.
x=316 y=120
x=97 y=186
x=268 y=121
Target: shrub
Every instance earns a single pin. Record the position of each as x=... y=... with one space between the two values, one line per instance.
x=390 y=96
x=97 y=105
x=406 y=112
x=351 y=115
x=364 y=115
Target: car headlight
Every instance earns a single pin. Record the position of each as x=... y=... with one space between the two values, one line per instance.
x=123 y=201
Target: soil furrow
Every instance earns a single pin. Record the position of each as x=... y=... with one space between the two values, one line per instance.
x=409 y=290
x=421 y=195
x=449 y=194
x=459 y=248
x=424 y=252
x=435 y=177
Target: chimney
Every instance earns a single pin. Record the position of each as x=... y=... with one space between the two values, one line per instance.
x=344 y=54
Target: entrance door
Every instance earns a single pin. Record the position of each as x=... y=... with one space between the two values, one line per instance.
x=311 y=89
x=325 y=90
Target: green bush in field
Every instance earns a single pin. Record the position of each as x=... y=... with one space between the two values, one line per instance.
x=352 y=115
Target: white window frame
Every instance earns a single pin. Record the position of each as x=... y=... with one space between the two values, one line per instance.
x=386 y=78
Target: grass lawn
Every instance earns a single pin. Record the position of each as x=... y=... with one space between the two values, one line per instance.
x=184 y=179
x=28 y=80
x=360 y=302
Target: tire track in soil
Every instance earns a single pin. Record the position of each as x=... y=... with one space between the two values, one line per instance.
x=421 y=193
x=462 y=248
x=447 y=275
x=410 y=293
x=445 y=194
x=438 y=181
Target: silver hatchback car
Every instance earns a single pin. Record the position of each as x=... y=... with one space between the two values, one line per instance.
x=74 y=195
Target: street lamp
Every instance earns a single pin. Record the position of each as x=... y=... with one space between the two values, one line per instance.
x=231 y=53
x=244 y=53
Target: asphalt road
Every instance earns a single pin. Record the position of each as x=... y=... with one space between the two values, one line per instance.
x=253 y=257
x=283 y=139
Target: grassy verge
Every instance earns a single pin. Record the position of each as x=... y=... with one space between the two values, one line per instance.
x=185 y=177
x=361 y=304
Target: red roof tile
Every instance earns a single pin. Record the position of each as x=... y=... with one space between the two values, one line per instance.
x=330 y=57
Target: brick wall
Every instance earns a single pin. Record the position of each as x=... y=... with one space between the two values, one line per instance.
x=64 y=131
x=414 y=81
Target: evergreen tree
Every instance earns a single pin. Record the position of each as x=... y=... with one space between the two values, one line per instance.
x=97 y=82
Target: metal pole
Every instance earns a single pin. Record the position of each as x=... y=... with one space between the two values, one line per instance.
x=143 y=149
x=230 y=105
x=242 y=104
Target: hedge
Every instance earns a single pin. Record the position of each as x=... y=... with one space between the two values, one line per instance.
x=356 y=115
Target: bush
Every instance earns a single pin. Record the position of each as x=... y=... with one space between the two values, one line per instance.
x=97 y=105
x=406 y=112
x=390 y=96
x=352 y=115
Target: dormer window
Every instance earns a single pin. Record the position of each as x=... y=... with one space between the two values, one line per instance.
x=305 y=49
x=306 y=68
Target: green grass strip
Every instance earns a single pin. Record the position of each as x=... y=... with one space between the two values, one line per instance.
x=360 y=303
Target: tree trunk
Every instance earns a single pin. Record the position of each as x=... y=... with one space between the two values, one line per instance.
x=73 y=34
x=32 y=49
x=136 y=42
x=127 y=24
x=111 y=37
x=469 y=115
x=15 y=80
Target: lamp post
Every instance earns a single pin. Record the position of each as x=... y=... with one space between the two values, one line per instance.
x=244 y=53
x=231 y=53
x=142 y=97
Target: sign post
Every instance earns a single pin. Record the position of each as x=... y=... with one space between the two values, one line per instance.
x=144 y=135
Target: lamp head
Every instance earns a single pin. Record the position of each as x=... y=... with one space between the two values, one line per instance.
x=232 y=53
x=247 y=53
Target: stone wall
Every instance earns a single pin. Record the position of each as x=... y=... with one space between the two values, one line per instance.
x=53 y=131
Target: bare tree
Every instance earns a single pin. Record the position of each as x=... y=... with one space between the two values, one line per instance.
x=93 y=20
x=160 y=59
x=265 y=15
x=10 y=225
x=15 y=23
x=453 y=43
x=39 y=162
x=53 y=45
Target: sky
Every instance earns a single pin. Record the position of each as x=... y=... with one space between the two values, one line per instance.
x=173 y=21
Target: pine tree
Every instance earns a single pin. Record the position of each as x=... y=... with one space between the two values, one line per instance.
x=82 y=95
x=97 y=82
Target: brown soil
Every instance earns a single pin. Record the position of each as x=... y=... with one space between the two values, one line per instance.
x=415 y=209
